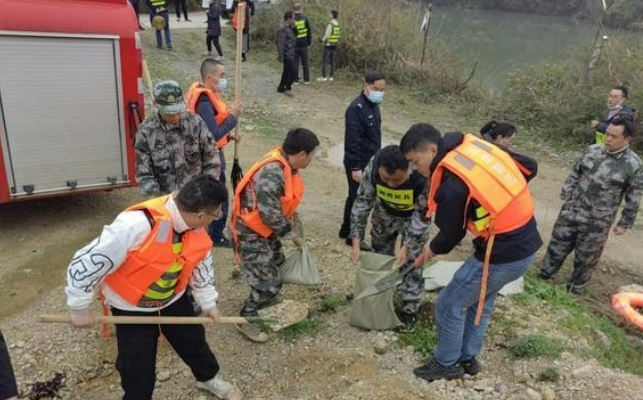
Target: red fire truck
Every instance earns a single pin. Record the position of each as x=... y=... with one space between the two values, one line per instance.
x=70 y=96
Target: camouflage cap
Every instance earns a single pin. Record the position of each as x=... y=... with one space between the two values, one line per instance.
x=169 y=97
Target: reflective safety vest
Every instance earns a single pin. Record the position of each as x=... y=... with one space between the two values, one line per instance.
x=399 y=201
x=495 y=183
x=161 y=267
x=335 y=35
x=302 y=31
x=600 y=137
x=293 y=194
x=158 y=3
x=239 y=21
x=192 y=97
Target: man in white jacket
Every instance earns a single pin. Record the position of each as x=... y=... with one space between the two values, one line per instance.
x=144 y=261
x=331 y=39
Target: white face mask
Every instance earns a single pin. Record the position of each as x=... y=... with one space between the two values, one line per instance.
x=222 y=84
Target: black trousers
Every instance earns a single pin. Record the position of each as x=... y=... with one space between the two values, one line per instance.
x=137 y=346
x=181 y=5
x=213 y=40
x=301 y=55
x=348 y=206
x=8 y=386
x=288 y=75
x=329 y=61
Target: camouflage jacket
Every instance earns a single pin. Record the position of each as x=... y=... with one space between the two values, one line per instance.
x=417 y=228
x=167 y=157
x=600 y=181
x=268 y=185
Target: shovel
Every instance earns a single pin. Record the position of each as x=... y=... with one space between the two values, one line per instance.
x=155 y=320
x=387 y=282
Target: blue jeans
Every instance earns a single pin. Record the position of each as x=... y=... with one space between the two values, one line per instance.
x=168 y=37
x=458 y=336
x=216 y=227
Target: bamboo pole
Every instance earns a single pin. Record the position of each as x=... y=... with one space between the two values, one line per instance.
x=153 y=320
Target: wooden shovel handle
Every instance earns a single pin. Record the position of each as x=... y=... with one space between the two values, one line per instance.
x=152 y=320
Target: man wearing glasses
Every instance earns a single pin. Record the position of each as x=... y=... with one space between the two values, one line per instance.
x=604 y=176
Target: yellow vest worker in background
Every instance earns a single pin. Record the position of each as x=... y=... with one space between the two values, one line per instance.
x=264 y=208
x=144 y=261
x=475 y=186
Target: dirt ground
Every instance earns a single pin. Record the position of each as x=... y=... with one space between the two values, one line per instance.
x=38 y=238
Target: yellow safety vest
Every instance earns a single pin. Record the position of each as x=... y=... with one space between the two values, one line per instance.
x=302 y=31
x=335 y=35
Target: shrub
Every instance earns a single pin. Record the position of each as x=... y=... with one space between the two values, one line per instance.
x=533 y=346
x=308 y=327
x=550 y=374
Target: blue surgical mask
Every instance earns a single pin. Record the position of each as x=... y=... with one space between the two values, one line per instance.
x=375 y=96
x=223 y=84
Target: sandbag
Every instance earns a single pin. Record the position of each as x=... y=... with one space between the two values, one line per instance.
x=375 y=312
x=299 y=268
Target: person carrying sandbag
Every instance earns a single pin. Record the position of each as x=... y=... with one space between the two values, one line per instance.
x=396 y=196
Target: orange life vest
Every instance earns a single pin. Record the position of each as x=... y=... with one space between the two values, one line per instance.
x=293 y=194
x=496 y=183
x=144 y=266
x=239 y=21
x=624 y=304
x=191 y=98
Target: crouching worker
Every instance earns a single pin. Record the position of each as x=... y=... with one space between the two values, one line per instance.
x=397 y=197
x=264 y=208
x=475 y=186
x=144 y=261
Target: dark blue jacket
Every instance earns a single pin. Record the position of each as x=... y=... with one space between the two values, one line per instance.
x=214 y=24
x=209 y=115
x=363 y=134
x=605 y=122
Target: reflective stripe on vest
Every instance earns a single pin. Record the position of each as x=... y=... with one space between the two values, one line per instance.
x=157 y=256
x=335 y=35
x=163 y=289
x=293 y=194
x=495 y=183
x=302 y=32
x=192 y=97
x=158 y=3
x=398 y=199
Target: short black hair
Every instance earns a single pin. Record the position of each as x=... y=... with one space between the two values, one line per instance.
x=298 y=140
x=334 y=13
x=493 y=129
x=392 y=159
x=626 y=120
x=419 y=137
x=208 y=66
x=287 y=15
x=623 y=89
x=204 y=192
x=373 y=75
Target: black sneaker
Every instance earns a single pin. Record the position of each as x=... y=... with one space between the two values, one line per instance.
x=343 y=234
x=243 y=57
x=471 y=367
x=407 y=319
x=434 y=371
x=575 y=289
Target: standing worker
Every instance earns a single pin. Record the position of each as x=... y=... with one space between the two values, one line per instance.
x=236 y=22
x=137 y=9
x=144 y=261
x=362 y=139
x=604 y=176
x=475 y=186
x=304 y=40
x=206 y=99
x=502 y=134
x=160 y=8
x=330 y=40
x=397 y=197
x=615 y=105
x=286 y=50
x=214 y=30
x=173 y=146
x=181 y=5
x=265 y=204
x=8 y=385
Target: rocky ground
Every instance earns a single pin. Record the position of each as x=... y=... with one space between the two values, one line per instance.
x=338 y=361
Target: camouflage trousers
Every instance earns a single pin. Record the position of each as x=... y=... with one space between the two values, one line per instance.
x=260 y=261
x=576 y=229
x=384 y=233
